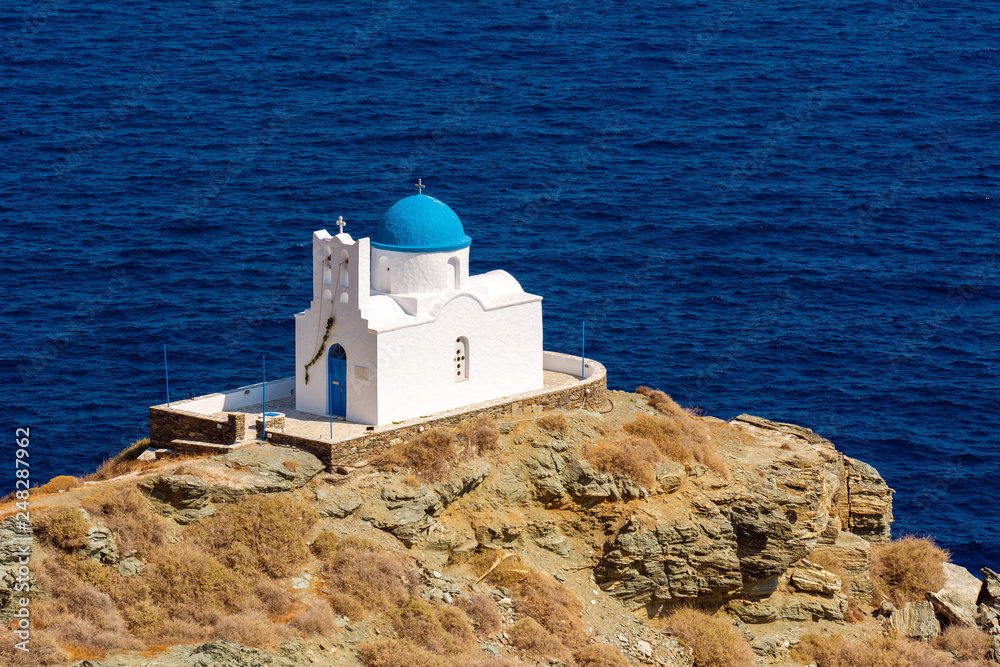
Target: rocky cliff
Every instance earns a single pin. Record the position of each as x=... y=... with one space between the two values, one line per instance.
x=767 y=525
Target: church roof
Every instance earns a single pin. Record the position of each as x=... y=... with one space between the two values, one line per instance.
x=420 y=224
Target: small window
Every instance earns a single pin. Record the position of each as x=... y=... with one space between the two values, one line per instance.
x=461 y=358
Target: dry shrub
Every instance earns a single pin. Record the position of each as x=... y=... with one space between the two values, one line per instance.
x=316 y=619
x=714 y=641
x=63 y=527
x=541 y=597
x=126 y=512
x=599 y=655
x=836 y=651
x=904 y=570
x=439 y=629
x=191 y=585
x=538 y=642
x=123 y=462
x=75 y=613
x=60 y=483
x=497 y=662
x=259 y=534
x=377 y=580
x=324 y=544
x=426 y=453
x=681 y=436
x=42 y=649
x=483 y=435
x=554 y=423
x=276 y=599
x=964 y=642
x=388 y=653
x=252 y=628
x=831 y=562
x=631 y=458
x=482 y=611
x=347 y=606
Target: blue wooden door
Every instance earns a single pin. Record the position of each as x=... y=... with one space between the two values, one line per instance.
x=338 y=381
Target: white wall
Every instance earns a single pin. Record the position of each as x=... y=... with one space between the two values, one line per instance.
x=417 y=370
x=566 y=363
x=237 y=398
x=350 y=330
x=417 y=273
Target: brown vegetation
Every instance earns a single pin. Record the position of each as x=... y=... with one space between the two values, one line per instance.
x=554 y=606
x=714 y=641
x=679 y=434
x=437 y=628
x=363 y=576
x=482 y=612
x=529 y=636
x=599 y=655
x=905 y=569
x=63 y=527
x=483 y=436
x=836 y=651
x=632 y=458
x=58 y=484
x=258 y=534
x=252 y=628
x=125 y=511
x=426 y=453
x=964 y=643
x=389 y=653
x=554 y=422
x=124 y=462
x=316 y=619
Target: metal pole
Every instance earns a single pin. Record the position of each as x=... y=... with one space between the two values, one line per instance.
x=263 y=396
x=166 y=373
x=583 y=351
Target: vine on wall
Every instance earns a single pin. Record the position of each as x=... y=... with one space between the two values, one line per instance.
x=322 y=346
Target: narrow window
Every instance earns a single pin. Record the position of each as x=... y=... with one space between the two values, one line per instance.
x=461 y=358
x=454 y=273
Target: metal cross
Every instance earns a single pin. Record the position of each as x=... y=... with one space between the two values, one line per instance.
x=420 y=186
x=340 y=223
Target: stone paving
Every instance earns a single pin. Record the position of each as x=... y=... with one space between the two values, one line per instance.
x=318 y=427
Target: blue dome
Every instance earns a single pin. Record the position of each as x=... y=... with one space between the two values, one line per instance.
x=421 y=224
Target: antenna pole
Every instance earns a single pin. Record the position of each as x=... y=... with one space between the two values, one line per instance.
x=166 y=373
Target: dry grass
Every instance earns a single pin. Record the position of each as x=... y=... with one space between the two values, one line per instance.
x=317 y=619
x=63 y=527
x=632 y=458
x=259 y=534
x=715 y=642
x=363 y=576
x=252 y=628
x=964 y=643
x=536 y=641
x=58 y=484
x=123 y=462
x=906 y=569
x=427 y=453
x=599 y=655
x=836 y=651
x=554 y=606
x=439 y=629
x=43 y=650
x=554 y=422
x=388 y=653
x=483 y=436
x=275 y=598
x=679 y=434
x=126 y=512
x=324 y=544
x=191 y=585
x=482 y=612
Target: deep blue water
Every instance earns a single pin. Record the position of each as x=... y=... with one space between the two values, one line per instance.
x=787 y=209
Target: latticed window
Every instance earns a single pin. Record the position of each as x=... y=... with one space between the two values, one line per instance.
x=461 y=358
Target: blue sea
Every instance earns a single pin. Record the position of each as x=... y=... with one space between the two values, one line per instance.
x=786 y=209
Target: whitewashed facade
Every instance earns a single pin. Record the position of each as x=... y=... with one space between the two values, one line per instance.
x=413 y=333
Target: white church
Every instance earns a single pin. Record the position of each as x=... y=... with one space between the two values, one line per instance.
x=398 y=328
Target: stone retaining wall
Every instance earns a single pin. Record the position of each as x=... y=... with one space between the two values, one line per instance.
x=168 y=424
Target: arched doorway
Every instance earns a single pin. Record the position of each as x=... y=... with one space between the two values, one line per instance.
x=337 y=365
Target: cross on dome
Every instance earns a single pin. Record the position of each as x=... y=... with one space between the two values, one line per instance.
x=340 y=223
x=420 y=186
